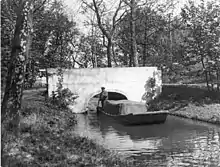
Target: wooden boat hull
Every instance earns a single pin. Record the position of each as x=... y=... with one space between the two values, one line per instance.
x=156 y=117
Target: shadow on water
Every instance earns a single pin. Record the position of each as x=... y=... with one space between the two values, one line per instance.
x=177 y=142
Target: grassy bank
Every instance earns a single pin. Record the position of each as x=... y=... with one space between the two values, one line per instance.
x=194 y=102
x=47 y=139
x=208 y=113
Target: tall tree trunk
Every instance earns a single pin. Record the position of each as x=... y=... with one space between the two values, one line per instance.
x=47 y=84
x=114 y=55
x=125 y=62
x=93 y=59
x=211 y=80
x=109 y=52
x=145 y=45
x=93 y=52
x=130 y=60
x=105 y=33
x=206 y=73
x=11 y=103
x=93 y=49
x=218 y=79
x=133 y=34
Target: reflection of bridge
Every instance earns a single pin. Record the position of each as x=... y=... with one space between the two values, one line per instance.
x=129 y=81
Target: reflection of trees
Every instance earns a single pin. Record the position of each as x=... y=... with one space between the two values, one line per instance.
x=136 y=132
x=175 y=142
x=203 y=150
x=207 y=148
x=88 y=125
x=181 y=142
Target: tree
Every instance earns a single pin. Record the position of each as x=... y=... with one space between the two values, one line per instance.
x=202 y=43
x=21 y=42
x=7 y=29
x=107 y=24
x=151 y=28
x=90 y=52
x=54 y=35
x=133 y=56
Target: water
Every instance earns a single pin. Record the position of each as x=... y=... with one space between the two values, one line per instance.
x=177 y=142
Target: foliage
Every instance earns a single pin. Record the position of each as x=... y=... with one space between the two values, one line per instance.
x=7 y=29
x=175 y=97
x=202 y=43
x=152 y=33
x=53 y=33
x=150 y=91
x=30 y=76
x=62 y=97
x=89 y=52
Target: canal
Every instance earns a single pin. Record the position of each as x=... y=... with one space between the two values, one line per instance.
x=177 y=142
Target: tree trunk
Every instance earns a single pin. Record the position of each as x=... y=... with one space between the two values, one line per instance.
x=133 y=34
x=114 y=55
x=11 y=103
x=206 y=73
x=94 y=56
x=130 y=60
x=125 y=62
x=211 y=80
x=47 y=85
x=109 y=52
x=105 y=33
x=218 y=79
x=145 y=45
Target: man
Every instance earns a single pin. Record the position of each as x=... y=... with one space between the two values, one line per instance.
x=103 y=97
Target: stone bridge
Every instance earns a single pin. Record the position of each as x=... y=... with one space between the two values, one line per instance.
x=87 y=82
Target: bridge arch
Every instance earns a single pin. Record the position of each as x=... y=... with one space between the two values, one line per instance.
x=91 y=95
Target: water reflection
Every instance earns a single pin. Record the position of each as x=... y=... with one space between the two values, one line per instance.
x=178 y=142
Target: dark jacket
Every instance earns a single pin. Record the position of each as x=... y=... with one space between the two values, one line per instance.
x=103 y=95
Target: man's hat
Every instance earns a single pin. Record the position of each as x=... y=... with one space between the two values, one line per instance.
x=102 y=87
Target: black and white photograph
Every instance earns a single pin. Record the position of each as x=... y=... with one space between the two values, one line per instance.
x=110 y=83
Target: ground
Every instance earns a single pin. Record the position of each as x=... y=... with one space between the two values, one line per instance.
x=46 y=137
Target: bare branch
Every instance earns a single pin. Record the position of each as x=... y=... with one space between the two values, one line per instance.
x=88 y=5
x=74 y=59
x=40 y=6
x=127 y=3
x=99 y=20
x=104 y=44
x=115 y=15
x=120 y=18
x=124 y=49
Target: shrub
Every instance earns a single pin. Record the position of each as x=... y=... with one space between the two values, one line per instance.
x=63 y=97
x=150 y=90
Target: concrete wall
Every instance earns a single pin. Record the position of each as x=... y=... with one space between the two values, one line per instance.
x=86 y=82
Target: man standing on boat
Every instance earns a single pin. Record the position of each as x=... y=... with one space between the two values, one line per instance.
x=103 y=97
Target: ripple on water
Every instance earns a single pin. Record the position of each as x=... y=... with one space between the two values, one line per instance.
x=178 y=142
